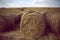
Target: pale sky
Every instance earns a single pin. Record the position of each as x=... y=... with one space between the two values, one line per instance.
x=29 y=3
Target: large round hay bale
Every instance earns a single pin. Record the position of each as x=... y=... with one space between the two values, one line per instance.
x=32 y=25
x=9 y=22
x=53 y=20
x=1 y=22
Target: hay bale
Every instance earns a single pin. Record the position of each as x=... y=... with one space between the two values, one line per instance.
x=32 y=26
x=8 y=22
x=1 y=22
x=53 y=22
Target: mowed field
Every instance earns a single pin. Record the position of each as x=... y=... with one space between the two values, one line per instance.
x=25 y=10
x=16 y=34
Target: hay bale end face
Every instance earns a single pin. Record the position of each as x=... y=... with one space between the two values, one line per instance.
x=9 y=22
x=1 y=22
x=53 y=20
x=32 y=25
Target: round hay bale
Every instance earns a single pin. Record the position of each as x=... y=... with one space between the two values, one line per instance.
x=9 y=22
x=53 y=20
x=1 y=22
x=32 y=25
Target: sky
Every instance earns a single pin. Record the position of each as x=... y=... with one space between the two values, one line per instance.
x=29 y=3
